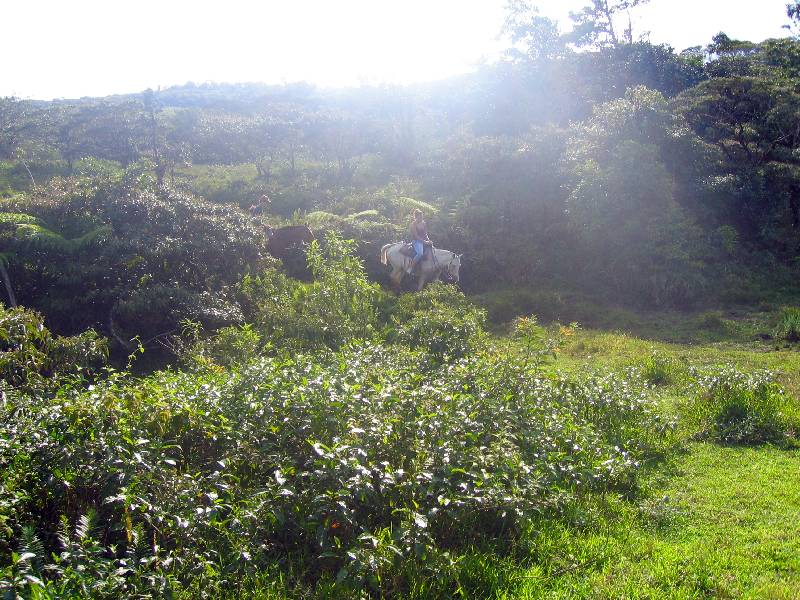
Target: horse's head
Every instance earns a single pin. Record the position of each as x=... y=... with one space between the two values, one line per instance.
x=453 y=266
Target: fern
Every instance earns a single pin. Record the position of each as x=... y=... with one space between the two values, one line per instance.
x=17 y=218
x=31 y=544
x=45 y=239
x=63 y=535
x=86 y=525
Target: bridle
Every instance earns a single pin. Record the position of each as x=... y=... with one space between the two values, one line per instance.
x=449 y=266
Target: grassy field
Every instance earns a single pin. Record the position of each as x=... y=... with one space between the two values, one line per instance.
x=717 y=523
x=712 y=521
x=555 y=462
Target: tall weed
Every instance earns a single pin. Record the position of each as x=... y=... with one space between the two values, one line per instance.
x=742 y=408
x=788 y=327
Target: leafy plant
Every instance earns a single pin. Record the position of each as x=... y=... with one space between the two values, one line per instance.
x=788 y=327
x=657 y=369
x=364 y=465
x=741 y=408
x=440 y=321
x=339 y=306
x=30 y=356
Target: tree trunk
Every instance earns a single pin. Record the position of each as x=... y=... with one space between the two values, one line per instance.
x=24 y=164
x=112 y=329
x=12 y=300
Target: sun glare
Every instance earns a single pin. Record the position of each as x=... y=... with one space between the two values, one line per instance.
x=96 y=47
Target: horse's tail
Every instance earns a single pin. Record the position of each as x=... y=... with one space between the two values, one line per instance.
x=385 y=254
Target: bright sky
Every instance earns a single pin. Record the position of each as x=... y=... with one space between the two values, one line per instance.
x=68 y=49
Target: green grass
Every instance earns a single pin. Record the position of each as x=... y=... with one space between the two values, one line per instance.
x=615 y=350
x=711 y=521
x=728 y=527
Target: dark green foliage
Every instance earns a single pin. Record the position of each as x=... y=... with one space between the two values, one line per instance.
x=740 y=408
x=355 y=465
x=440 y=321
x=129 y=259
x=30 y=355
x=625 y=171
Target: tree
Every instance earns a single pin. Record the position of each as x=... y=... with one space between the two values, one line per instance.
x=533 y=36
x=623 y=202
x=154 y=143
x=16 y=123
x=23 y=129
x=793 y=12
x=748 y=109
x=597 y=24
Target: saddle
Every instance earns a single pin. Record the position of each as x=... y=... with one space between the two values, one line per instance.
x=408 y=250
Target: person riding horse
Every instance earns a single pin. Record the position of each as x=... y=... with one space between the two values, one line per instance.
x=419 y=238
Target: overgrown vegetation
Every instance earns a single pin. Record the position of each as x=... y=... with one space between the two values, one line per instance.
x=788 y=327
x=367 y=464
x=325 y=438
x=741 y=408
x=617 y=169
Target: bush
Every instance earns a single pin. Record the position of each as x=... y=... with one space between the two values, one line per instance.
x=740 y=408
x=439 y=320
x=228 y=347
x=657 y=369
x=339 y=306
x=30 y=356
x=788 y=327
x=163 y=256
x=358 y=465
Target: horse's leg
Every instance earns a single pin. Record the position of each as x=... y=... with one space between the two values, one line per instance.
x=396 y=277
x=422 y=279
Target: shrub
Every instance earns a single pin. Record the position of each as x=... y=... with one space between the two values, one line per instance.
x=788 y=327
x=164 y=256
x=657 y=369
x=30 y=356
x=741 y=408
x=357 y=465
x=439 y=320
x=228 y=347
x=339 y=306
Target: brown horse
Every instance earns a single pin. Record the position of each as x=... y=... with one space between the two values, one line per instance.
x=287 y=241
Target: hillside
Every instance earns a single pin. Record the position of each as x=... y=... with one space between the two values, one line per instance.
x=605 y=405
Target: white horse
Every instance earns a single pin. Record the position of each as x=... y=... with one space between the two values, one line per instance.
x=430 y=269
